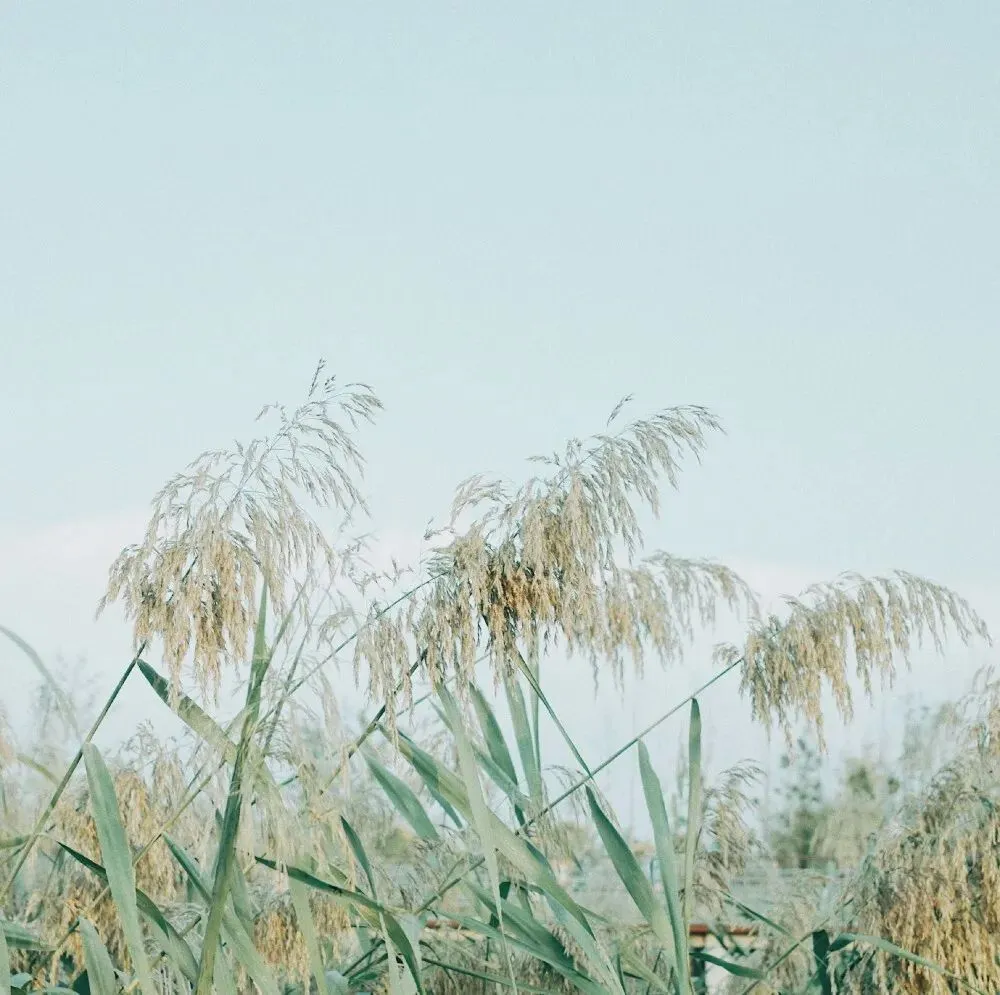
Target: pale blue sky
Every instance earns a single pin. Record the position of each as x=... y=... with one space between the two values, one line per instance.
x=505 y=217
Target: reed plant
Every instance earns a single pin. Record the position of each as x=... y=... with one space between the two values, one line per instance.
x=433 y=848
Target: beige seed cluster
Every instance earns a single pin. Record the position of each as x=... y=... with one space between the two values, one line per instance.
x=932 y=884
x=238 y=517
x=788 y=662
x=543 y=563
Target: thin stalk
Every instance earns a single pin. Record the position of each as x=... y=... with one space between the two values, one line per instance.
x=226 y=855
x=624 y=748
x=372 y=726
x=186 y=803
x=67 y=776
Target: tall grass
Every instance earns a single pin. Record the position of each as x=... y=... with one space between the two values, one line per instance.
x=277 y=851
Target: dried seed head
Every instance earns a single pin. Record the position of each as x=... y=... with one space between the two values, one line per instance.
x=787 y=663
x=542 y=563
x=235 y=518
x=932 y=882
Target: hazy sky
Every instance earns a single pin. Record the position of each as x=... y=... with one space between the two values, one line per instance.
x=505 y=217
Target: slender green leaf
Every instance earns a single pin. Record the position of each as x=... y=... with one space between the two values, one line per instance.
x=694 y=808
x=20 y=937
x=639 y=969
x=377 y=914
x=631 y=874
x=584 y=937
x=169 y=940
x=402 y=797
x=734 y=968
x=524 y=736
x=493 y=770
x=39 y=768
x=190 y=713
x=759 y=917
x=888 y=947
x=226 y=854
x=530 y=862
x=242 y=904
x=664 y=840
x=207 y=729
x=493 y=736
x=100 y=970
x=354 y=841
x=493 y=979
x=4 y=965
x=539 y=696
x=307 y=925
x=821 y=953
x=117 y=861
x=499 y=777
x=224 y=978
x=237 y=937
x=482 y=817
x=550 y=951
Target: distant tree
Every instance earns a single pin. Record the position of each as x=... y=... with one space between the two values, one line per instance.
x=797 y=823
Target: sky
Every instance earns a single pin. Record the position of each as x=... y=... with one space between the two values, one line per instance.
x=505 y=218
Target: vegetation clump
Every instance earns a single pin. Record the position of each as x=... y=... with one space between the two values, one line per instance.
x=433 y=849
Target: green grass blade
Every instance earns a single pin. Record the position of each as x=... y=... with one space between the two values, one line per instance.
x=732 y=967
x=499 y=777
x=376 y=914
x=481 y=814
x=759 y=917
x=242 y=904
x=586 y=941
x=493 y=735
x=19 y=937
x=493 y=979
x=237 y=937
x=170 y=941
x=225 y=980
x=4 y=964
x=402 y=797
x=496 y=760
x=39 y=768
x=226 y=854
x=354 y=841
x=523 y=734
x=536 y=726
x=550 y=951
x=307 y=926
x=397 y=986
x=117 y=862
x=664 y=841
x=100 y=970
x=190 y=713
x=821 y=954
x=631 y=874
x=50 y=805
x=518 y=851
x=639 y=969
x=694 y=808
x=539 y=696
x=207 y=729
x=890 y=948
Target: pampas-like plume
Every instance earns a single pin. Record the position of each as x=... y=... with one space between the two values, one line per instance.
x=932 y=882
x=786 y=663
x=541 y=563
x=236 y=517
